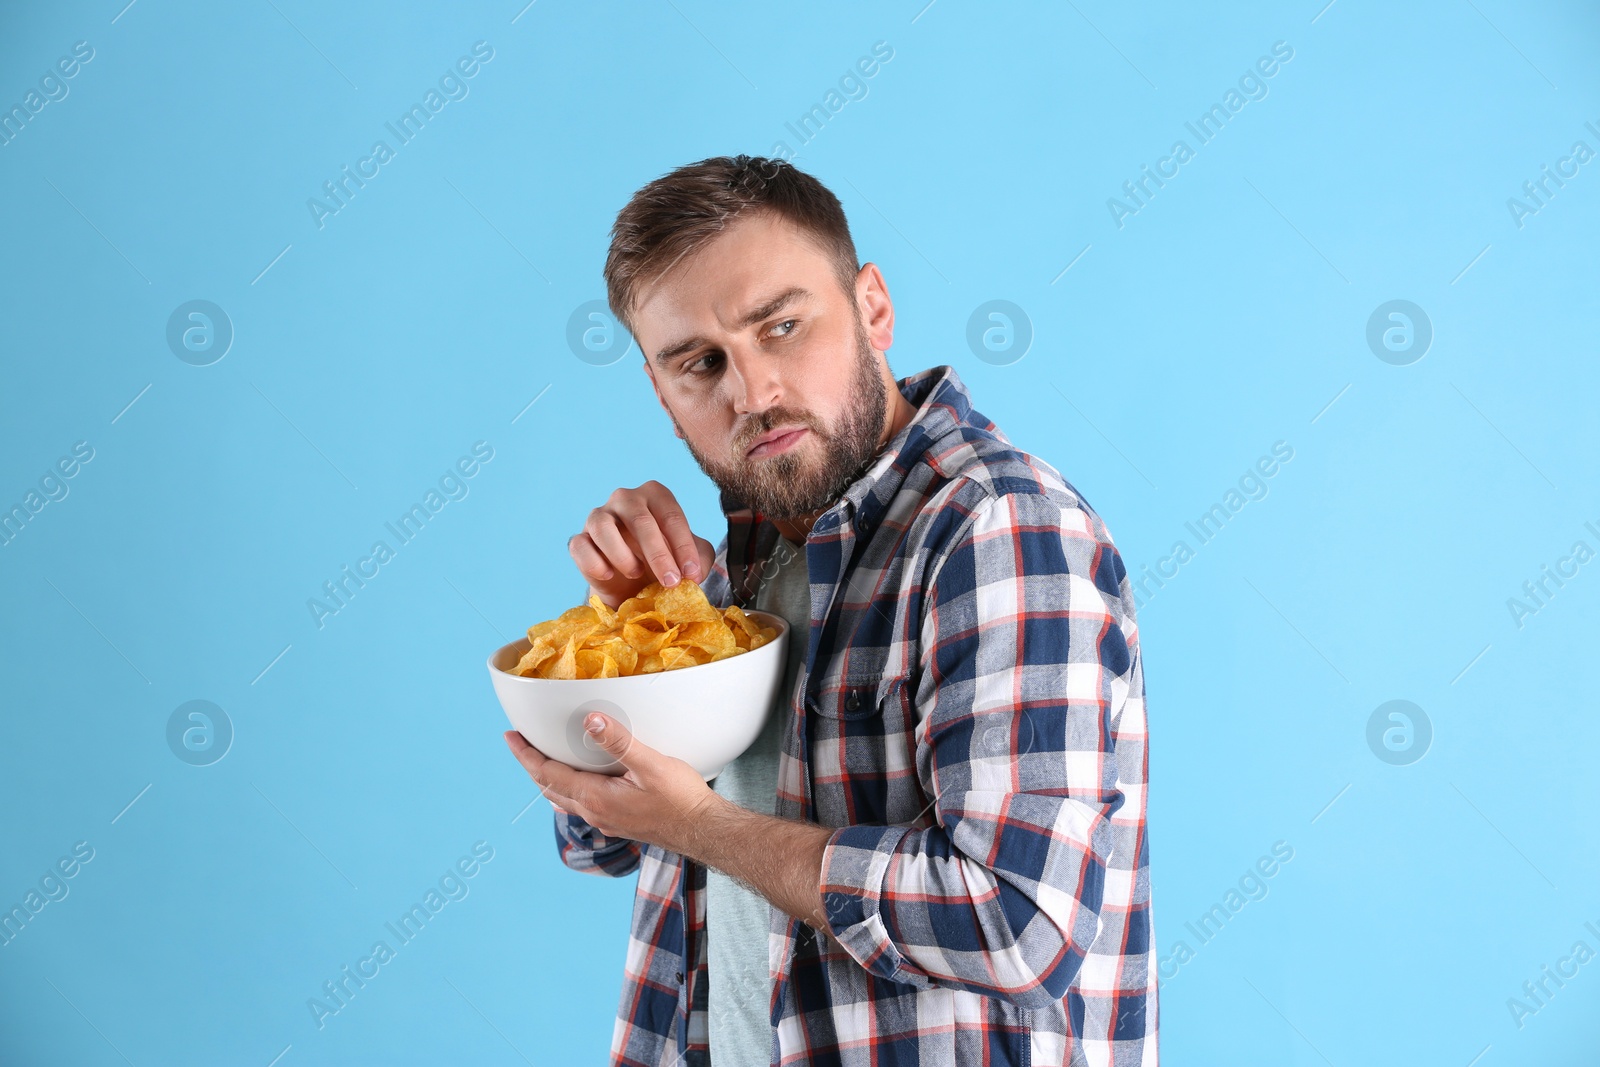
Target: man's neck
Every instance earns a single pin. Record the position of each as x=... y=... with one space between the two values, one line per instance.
x=901 y=412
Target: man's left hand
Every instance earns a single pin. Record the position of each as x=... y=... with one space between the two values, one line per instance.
x=658 y=799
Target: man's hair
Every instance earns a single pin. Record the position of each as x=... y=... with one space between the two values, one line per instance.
x=677 y=213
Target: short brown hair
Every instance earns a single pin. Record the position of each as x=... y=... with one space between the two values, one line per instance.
x=677 y=213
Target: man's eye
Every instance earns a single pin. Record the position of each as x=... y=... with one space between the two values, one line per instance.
x=787 y=322
x=695 y=363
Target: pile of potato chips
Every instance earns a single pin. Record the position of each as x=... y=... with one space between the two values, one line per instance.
x=658 y=629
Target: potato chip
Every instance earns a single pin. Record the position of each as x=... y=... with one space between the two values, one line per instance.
x=626 y=656
x=604 y=615
x=686 y=602
x=567 y=665
x=739 y=618
x=635 y=605
x=654 y=630
x=593 y=663
x=645 y=639
x=673 y=657
x=711 y=636
x=562 y=622
x=531 y=659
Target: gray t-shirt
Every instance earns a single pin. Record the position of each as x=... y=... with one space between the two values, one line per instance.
x=737 y=920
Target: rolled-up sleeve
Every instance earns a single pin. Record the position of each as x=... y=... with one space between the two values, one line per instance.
x=588 y=851
x=1032 y=744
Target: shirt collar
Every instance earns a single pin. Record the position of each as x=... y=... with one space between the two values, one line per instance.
x=944 y=412
x=945 y=419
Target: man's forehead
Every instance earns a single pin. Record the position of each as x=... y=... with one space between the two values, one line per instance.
x=719 y=294
x=730 y=272
x=726 y=279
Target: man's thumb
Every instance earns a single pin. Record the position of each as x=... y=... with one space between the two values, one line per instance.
x=707 y=553
x=610 y=736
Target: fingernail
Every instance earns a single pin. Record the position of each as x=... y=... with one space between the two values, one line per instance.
x=594 y=724
x=669 y=578
x=691 y=567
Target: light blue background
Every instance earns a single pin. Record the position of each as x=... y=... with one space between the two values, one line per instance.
x=369 y=354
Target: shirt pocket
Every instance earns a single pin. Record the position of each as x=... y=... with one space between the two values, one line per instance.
x=852 y=699
x=864 y=753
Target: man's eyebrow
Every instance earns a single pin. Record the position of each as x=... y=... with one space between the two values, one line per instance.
x=751 y=317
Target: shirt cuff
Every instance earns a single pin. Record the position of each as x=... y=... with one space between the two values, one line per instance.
x=855 y=868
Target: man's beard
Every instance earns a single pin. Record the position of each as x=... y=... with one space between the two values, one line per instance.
x=785 y=486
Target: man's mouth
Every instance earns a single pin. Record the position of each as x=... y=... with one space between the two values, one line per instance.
x=775 y=441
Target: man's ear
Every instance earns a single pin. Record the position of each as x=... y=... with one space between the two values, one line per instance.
x=651 y=371
x=877 y=310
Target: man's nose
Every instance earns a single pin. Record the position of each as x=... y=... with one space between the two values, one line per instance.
x=754 y=381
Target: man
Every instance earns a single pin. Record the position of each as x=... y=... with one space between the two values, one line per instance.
x=942 y=833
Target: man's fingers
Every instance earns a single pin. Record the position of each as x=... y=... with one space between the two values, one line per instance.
x=706 y=556
x=674 y=526
x=532 y=761
x=551 y=776
x=639 y=532
x=530 y=758
x=569 y=790
x=566 y=804
x=606 y=532
x=591 y=563
x=564 y=780
x=680 y=539
x=648 y=535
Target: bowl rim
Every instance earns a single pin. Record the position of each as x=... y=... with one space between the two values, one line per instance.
x=645 y=679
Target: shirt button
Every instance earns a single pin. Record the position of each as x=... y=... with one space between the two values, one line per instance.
x=680 y=977
x=853 y=701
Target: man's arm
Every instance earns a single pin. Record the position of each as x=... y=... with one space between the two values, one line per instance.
x=664 y=801
x=1033 y=686
x=779 y=858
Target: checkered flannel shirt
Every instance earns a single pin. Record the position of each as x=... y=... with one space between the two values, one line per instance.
x=971 y=719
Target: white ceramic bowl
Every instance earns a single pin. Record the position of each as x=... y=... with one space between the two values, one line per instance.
x=704 y=715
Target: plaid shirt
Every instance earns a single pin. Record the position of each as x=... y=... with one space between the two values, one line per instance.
x=971 y=718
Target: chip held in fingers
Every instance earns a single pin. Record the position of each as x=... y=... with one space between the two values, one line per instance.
x=656 y=629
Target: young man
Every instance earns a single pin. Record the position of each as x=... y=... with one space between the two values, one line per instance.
x=936 y=854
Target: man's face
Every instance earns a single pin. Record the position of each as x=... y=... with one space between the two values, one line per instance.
x=759 y=339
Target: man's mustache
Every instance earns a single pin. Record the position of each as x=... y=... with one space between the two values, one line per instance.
x=770 y=422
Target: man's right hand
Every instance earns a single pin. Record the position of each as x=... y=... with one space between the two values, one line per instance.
x=636 y=537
